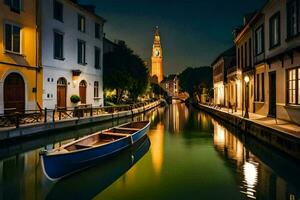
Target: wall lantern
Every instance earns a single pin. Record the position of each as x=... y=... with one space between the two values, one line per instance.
x=75 y=75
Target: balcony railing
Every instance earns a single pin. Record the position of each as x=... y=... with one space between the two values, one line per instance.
x=15 y=119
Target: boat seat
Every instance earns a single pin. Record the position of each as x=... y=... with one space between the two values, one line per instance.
x=127 y=129
x=83 y=145
x=116 y=134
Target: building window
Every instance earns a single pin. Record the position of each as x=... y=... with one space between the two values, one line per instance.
x=259 y=40
x=293 y=83
x=97 y=58
x=58 y=45
x=58 y=10
x=250 y=52
x=239 y=58
x=97 y=30
x=96 y=89
x=293 y=18
x=246 y=55
x=275 y=30
x=81 y=52
x=81 y=23
x=15 y=5
x=242 y=56
x=12 y=38
x=257 y=87
x=263 y=87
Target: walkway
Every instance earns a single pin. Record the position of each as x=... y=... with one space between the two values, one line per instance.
x=277 y=124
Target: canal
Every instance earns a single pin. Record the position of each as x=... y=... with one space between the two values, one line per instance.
x=188 y=155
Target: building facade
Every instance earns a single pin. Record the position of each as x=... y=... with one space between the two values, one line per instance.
x=277 y=60
x=220 y=66
x=157 y=58
x=71 y=53
x=244 y=60
x=20 y=74
x=171 y=85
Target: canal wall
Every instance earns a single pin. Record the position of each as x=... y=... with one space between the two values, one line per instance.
x=41 y=128
x=284 y=141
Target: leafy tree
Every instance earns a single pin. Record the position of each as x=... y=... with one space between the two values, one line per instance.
x=196 y=79
x=124 y=71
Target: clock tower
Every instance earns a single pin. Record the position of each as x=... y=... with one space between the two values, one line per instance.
x=157 y=58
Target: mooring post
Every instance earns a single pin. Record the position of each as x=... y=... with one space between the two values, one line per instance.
x=45 y=117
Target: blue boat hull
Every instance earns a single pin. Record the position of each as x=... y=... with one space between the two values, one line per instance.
x=60 y=165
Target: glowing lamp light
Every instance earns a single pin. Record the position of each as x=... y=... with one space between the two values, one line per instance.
x=74 y=82
x=246 y=79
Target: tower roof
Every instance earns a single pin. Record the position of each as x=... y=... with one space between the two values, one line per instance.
x=156 y=36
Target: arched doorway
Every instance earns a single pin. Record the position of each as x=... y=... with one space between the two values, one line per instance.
x=82 y=91
x=14 y=93
x=61 y=93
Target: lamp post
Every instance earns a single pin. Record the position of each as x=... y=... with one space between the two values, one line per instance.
x=246 y=79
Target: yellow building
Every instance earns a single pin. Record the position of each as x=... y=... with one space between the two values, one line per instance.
x=157 y=58
x=20 y=76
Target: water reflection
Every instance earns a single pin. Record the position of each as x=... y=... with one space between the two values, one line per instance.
x=157 y=148
x=176 y=117
x=192 y=156
x=255 y=177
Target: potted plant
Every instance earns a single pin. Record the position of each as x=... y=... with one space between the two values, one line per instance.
x=75 y=99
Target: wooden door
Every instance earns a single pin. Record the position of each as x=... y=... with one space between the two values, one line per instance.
x=272 y=94
x=14 y=93
x=82 y=92
x=61 y=93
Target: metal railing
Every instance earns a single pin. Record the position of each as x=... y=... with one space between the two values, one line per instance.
x=15 y=119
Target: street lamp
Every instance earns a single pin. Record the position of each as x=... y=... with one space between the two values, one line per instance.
x=247 y=79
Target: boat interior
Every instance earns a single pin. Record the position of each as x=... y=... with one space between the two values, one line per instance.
x=106 y=136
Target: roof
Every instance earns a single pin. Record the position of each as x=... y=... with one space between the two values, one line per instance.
x=90 y=9
x=228 y=53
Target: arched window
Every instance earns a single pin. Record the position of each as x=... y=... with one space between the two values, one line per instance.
x=96 y=89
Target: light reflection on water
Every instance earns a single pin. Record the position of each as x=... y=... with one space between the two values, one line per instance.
x=192 y=156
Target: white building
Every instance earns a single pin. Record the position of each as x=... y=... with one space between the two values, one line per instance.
x=71 y=53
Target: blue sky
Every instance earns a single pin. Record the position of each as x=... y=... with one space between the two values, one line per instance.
x=193 y=32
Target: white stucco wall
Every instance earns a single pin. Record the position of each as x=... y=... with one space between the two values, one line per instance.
x=54 y=69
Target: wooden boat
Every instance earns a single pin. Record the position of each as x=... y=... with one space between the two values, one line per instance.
x=84 y=152
x=100 y=176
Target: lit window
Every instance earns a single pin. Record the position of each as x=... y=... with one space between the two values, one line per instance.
x=293 y=86
x=12 y=38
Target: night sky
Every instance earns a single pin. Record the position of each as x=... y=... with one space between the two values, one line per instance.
x=193 y=32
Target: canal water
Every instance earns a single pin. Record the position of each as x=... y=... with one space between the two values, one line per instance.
x=187 y=155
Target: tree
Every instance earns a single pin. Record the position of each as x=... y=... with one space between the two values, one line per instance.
x=195 y=79
x=124 y=71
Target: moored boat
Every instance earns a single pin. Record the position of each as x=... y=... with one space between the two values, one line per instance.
x=84 y=152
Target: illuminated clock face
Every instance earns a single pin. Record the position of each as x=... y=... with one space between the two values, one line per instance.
x=157 y=53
